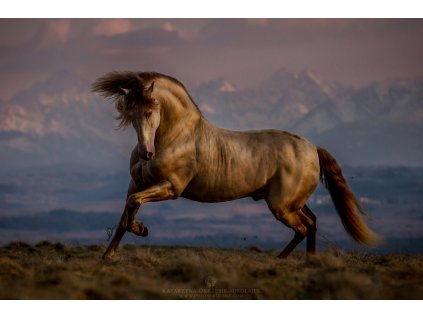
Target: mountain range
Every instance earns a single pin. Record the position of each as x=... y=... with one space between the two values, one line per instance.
x=378 y=124
x=60 y=122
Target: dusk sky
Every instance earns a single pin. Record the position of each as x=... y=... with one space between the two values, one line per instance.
x=244 y=51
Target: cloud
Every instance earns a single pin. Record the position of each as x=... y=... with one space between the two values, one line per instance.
x=109 y=27
x=244 y=51
x=168 y=27
x=272 y=32
x=143 y=38
x=207 y=108
x=258 y=21
x=55 y=32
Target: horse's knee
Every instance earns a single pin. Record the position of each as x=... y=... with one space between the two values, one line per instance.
x=132 y=201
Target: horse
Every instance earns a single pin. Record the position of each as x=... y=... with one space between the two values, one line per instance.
x=181 y=154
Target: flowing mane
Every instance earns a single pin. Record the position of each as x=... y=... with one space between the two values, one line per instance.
x=151 y=76
x=110 y=84
x=113 y=84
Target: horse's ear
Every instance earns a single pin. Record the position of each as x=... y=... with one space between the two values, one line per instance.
x=148 y=91
x=124 y=91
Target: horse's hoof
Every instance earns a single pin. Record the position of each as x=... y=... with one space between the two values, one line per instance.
x=145 y=231
x=283 y=255
x=139 y=229
x=107 y=256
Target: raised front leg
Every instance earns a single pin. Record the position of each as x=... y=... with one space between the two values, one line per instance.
x=128 y=223
x=160 y=192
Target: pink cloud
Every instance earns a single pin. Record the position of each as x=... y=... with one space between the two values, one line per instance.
x=207 y=108
x=55 y=31
x=167 y=26
x=111 y=27
x=258 y=21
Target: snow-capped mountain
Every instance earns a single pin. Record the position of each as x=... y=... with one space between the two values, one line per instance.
x=61 y=121
x=376 y=124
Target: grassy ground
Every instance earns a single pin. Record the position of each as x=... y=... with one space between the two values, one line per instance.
x=57 y=271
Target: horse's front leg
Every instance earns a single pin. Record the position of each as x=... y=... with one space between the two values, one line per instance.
x=160 y=192
x=120 y=231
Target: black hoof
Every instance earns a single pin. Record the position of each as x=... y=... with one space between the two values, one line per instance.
x=144 y=232
x=139 y=229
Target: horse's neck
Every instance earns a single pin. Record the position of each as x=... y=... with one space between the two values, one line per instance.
x=179 y=118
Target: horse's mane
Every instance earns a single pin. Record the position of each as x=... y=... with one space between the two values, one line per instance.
x=112 y=84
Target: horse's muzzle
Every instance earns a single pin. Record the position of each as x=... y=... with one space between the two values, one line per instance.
x=148 y=156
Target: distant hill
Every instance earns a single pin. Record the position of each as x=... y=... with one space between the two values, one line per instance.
x=79 y=206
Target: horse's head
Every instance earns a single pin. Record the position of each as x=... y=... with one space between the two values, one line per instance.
x=143 y=112
x=136 y=106
x=141 y=105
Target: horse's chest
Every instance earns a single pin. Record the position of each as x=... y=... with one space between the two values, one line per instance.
x=141 y=175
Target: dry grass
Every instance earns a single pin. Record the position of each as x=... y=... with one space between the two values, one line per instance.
x=57 y=271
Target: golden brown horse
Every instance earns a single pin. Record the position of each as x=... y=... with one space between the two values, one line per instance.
x=180 y=154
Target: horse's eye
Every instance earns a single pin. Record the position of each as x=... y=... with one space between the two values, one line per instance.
x=148 y=114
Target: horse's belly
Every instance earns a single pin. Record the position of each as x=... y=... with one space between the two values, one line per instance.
x=211 y=196
x=227 y=189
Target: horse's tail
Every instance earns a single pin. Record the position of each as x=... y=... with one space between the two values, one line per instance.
x=345 y=202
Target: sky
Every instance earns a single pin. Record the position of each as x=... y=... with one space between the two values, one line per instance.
x=244 y=51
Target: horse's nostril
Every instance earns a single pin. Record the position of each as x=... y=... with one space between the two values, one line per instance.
x=150 y=155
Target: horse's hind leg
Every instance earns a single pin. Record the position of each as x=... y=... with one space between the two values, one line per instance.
x=311 y=236
x=292 y=220
x=302 y=223
x=298 y=238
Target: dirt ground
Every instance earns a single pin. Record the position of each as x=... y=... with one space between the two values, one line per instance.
x=58 y=271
